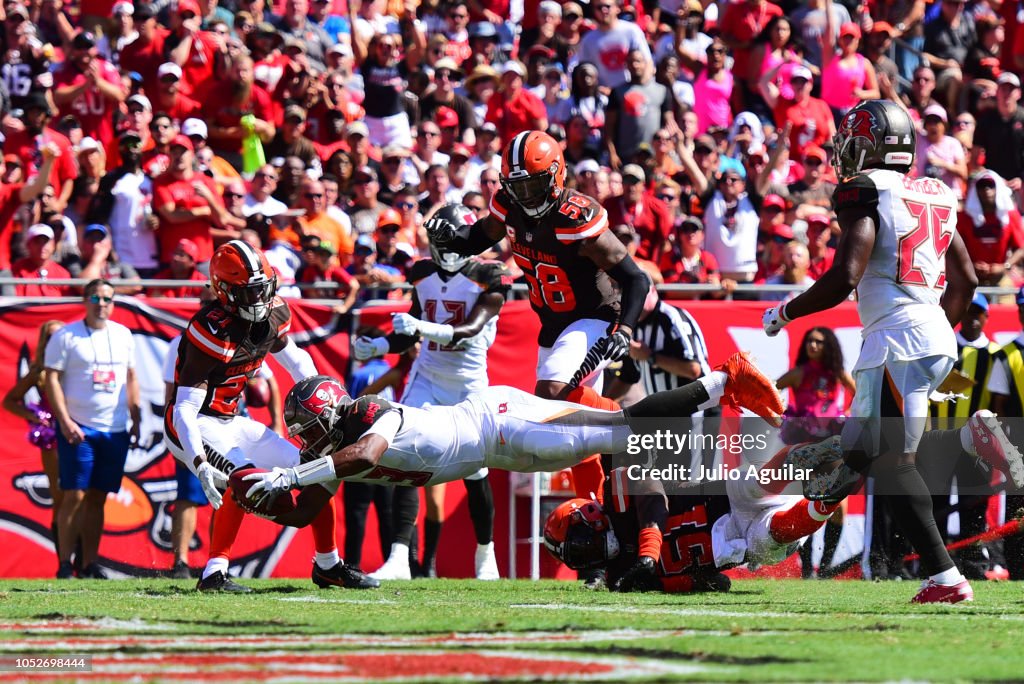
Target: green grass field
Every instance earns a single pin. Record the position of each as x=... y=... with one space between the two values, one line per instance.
x=427 y=630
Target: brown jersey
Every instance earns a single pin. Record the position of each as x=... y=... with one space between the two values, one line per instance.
x=225 y=352
x=565 y=287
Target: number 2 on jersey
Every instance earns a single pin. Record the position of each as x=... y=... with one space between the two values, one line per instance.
x=226 y=395
x=931 y=227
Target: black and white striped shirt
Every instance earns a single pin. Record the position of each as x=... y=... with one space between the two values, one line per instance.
x=670 y=331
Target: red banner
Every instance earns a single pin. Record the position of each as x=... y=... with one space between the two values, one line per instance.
x=137 y=534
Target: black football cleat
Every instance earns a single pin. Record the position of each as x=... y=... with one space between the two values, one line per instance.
x=93 y=571
x=341 y=575
x=181 y=570
x=218 y=581
x=66 y=570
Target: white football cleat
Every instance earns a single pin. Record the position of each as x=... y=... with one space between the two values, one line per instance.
x=993 y=446
x=486 y=563
x=396 y=567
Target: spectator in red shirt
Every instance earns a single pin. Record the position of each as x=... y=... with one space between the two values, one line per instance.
x=12 y=196
x=38 y=264
x=193 y=50
x=743 y=21
x=990 y=226
x=187 y=205
x=646 y=214
x=89 y=88
x=182 y=267
x=324 y=267
x=157 y=158
x=810 y=117
x=225 y=108
x=28 y=143
x=168 y=98
x=818 y=235
x=687 y=263
x=145 y=54
x=514 y=109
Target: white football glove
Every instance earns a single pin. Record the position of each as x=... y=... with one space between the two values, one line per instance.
x=212 y=481
x=774 y=320
x=369 y=347
x=269 y=485
x=404 y=324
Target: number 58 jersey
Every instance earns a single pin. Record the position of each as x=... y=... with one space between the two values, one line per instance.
x=565 y=286
x=906 y=273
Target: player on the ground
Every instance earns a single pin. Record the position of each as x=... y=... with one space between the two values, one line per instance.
x=223 y=347
x=914 y=279
x=455 y=308
x=571 y=261
x=373 y=440
x=680 y=543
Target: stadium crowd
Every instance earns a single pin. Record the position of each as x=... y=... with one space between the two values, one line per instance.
x=139 y=137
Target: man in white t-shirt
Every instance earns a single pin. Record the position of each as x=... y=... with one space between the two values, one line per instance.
x=92 y=389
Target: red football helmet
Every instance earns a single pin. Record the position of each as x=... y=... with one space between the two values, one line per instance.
x=579 y=534
x=243 y=280
x=312 y=410
x=533 y=171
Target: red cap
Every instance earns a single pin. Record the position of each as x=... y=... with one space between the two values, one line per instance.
x=540 y=50
x=850 y=29
x=182 y=141
x=460 y=150
x=782 y=230
x=189 y=247
x=774 y=200
x=189 y=6
x=883 y=27
x=389 y=217
x=445 y=117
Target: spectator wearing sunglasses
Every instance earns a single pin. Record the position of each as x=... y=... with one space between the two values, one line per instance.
x=795 y=262
x=991 y=227
x=815 y=187
x=97 y=259
x=38 y=263
x=182 y=267
x=92 y=390
x=688 y=263
x=312 y=200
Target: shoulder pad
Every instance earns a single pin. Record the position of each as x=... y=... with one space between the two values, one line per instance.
x=210 y=331
x=858 y=191
x=424 y=268
x=579 y=217
x=491 y=275
x=499 y=205
x=280 y=316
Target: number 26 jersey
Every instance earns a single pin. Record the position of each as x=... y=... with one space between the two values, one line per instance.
x=565 y=286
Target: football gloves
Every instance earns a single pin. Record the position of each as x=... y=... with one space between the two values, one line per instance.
x=269 y=485
x=774 y=320
x=611 y=348
x=439 y=229
x=643 y=576
x=369 y=347
x=212 y=482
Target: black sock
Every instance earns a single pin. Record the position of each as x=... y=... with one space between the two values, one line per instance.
x=480 y=499
x=832 y=533
x=431 y=536
x=682 y=401
x=405 y=505
x=806 y=558
x=912 y=509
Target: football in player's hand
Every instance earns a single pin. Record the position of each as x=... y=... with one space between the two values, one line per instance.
x=281 y=504
x=257 y=393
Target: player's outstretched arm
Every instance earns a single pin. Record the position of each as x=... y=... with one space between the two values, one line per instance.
x=308 y=505
x=835 y=286
x=961 y=281
x=483 y=234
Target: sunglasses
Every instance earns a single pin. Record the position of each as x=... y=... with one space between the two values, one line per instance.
x=986 y=185
x=96 y=299
x=667 y=198
x=389 y=230
x=702 y=150
x=779 y=240
x=473 y=208
x=405 y=205
x=233 y=195
x=813 y=161
x=314 y=195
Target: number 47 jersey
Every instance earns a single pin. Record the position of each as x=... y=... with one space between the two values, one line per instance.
x=906 y=274
x=565 y=286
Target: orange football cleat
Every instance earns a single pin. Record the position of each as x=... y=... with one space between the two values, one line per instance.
x=751 y=389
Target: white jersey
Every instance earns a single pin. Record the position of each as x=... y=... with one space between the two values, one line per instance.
x=906 y=274
x=461 y=367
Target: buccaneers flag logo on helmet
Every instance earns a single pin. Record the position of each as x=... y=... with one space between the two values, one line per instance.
x=327 y=394
x=860 y=124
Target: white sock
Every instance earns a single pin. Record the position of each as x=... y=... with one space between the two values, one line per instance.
x=326 y=561
x=485 y=547
x=400 y=552
x=966 y=441
x=948 y=577
x=715 y=386
x=216 y=565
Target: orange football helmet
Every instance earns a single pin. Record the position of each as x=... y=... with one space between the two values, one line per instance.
x=533 y=171
x=579 y=534
x=243 y=280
